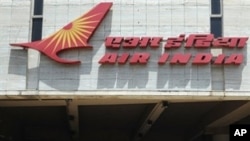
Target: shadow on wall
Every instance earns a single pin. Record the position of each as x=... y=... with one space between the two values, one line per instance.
x=151 y=76
x=233 y=73
x=203 y=77
x=123 y=76
x=56 y=76
x=167 y=78
x=67 y=77
x=172 y=77
x=129 y=76
x=17 y=62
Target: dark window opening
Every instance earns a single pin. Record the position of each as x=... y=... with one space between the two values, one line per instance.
x=216 y=26
x=37 y=29
x=215 y=6
x=37 y=22
x=38 y=7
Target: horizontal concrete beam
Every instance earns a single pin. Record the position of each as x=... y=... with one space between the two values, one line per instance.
x=28 y=103
x=207 y=125
x=61 y=102
x=234 y=116
x=171 y=96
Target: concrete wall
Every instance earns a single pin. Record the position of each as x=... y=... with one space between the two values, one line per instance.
x=14 y=27
x=167 y=18
x=127 y=18
x=236 y=23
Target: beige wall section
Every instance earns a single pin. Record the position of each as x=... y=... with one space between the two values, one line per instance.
x=167 y=18
x=14 y=27
x=237 y=23
x=127 y=18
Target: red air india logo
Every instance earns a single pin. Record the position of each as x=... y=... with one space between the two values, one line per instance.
x=74 y=35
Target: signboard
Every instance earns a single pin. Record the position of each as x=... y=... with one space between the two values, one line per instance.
x=199 y=41
x=77 y=34
x=74 y=35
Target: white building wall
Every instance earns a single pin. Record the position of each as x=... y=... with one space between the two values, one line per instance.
x=14 y=27
x=237 y=23
x=127 y=18
x=166 y=18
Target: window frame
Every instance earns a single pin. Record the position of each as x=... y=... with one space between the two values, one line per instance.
x=221 y=9
x=217 y=16
x=36 y=29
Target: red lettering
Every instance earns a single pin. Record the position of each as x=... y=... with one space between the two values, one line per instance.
x=230 y=42
x=202 y=58
x=130 y=42
x=140 y=58
x=193 y=40
x=113 y=42
x=235 y=59
x=221 y=42
x=143 y=43
x=199 y=40
x=163 y=58
x=155 y=42
x=180 y=58
x=219 y=60
x=241 y=42
x=175 y=42
x=108 y=58
x=123 y=58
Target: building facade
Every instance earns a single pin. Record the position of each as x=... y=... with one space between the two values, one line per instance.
x=31 y=79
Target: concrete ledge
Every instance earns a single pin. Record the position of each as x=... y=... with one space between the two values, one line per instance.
x=142 y=95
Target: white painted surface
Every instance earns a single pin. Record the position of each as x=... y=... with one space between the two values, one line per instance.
x=14 y=27
x=167 y=18
x=127 y=18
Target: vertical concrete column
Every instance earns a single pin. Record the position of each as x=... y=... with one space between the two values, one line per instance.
x=31 y=65
x=220 y=137
x=33 y=69
x=35 y=34
x=72 y=107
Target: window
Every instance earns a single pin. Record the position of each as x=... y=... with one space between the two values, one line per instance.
x=37 y=24
x=216 y=18
x=215 y=7
x=38 y=7
x=216 y=26
x=37 y=20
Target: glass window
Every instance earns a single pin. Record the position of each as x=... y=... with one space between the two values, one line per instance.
x=37 y=29
x=38 y=7
x=216 y=7
x=216 y=26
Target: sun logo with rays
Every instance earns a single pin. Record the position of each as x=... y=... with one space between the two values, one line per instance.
x=74 y=35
